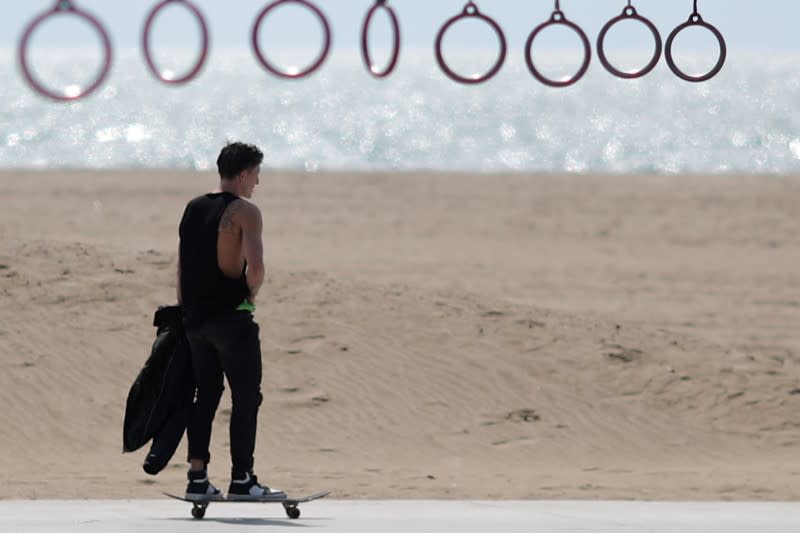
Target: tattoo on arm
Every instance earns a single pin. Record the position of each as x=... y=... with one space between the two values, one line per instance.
x=228 y=222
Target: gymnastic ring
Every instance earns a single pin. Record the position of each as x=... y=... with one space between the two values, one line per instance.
x=66 y=7
x=365 y=41
x=629 y=13
x=696 y=20
x=471 y=10
x=195 y=70
x=316 y=64
x=558 y=18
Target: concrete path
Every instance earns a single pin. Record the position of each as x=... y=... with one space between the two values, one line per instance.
x=329 y=516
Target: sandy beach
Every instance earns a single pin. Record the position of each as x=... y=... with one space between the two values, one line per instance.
x=426 y=335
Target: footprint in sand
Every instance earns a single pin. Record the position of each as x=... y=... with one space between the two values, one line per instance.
x=625 y=355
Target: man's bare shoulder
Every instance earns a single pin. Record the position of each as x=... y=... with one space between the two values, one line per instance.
x=239 y=213
x=249 y=211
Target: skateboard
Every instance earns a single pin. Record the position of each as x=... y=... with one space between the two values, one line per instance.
x=290 y=505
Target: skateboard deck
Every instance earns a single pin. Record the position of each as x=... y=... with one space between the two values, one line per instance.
x=290 y=505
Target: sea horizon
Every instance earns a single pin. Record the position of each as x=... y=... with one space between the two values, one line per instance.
x=417 y=120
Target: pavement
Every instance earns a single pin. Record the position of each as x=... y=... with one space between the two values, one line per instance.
x=416 y=516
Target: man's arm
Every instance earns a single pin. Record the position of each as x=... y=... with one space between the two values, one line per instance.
x=253 y=249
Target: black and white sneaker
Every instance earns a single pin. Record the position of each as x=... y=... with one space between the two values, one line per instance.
x=248 y=488
x=200 y=488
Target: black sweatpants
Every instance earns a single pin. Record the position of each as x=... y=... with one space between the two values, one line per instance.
x=227 y=345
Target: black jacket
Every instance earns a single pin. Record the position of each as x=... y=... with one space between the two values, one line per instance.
x=160 y=400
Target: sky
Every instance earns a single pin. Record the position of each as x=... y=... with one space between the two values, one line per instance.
x=746 y=24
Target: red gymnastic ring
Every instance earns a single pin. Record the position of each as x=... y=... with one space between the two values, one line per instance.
x=558 y=18
x=380 y=4
x=65 y=7
x=148 y=26
x=629 y=13
x=471 y=10
x=696 y=20
x=325 y=48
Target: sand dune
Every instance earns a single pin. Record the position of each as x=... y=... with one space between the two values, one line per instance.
x=427 y=335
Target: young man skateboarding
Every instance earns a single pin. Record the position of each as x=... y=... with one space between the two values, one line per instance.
x=220 y=271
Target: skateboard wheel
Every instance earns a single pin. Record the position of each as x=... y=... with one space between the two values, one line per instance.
x=293 y=512
x=198 y=512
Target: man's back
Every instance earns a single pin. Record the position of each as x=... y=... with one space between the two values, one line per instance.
x=212 y=265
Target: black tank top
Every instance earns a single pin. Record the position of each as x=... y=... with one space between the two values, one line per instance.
x=206 y=291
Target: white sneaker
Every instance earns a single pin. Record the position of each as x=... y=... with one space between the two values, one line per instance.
x=248 y=488
x=200 y=488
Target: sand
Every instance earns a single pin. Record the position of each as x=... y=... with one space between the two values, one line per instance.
x=426 y=335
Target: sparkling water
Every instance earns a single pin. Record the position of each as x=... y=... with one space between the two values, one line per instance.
x=743 y=121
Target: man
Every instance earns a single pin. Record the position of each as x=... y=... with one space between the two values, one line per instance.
x=220 y=271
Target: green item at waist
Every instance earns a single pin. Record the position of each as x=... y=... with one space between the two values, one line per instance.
x=246 y=305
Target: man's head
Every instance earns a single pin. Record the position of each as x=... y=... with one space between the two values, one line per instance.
x=238 y=165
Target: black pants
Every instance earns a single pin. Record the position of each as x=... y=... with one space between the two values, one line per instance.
x=226 y=345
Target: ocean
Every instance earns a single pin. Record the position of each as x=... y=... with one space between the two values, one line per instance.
x=743 y=121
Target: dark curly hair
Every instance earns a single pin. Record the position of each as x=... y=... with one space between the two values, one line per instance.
x=237 y=157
